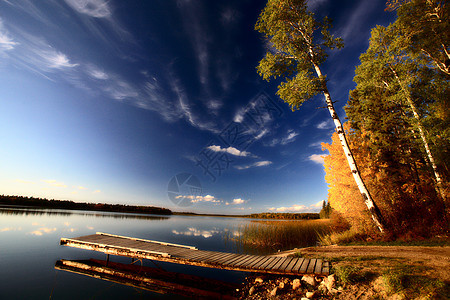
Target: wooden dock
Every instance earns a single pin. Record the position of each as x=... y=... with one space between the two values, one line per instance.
x=187 y=255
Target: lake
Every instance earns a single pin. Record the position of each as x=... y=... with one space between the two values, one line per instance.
x=29 y=248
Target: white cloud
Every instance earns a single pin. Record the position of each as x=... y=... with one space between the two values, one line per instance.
x=82 y=188
x=56 y=59
x=24 y=181
x=317 y=158
x=328 y=124
x=318 y=204
x=293 y=208
x=256 y=164
x=299 y=208
x=55 y=183
x=96 y=191
x=197 y=199
x=92 y=8
x=230 y=150
x=238 y=201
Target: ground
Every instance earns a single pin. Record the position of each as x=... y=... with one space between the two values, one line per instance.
x=369 y=272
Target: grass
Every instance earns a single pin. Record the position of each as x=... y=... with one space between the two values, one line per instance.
x=345 y=237
x=403 y=280
x=350 y=274
x=270 y=236
x=353 y=238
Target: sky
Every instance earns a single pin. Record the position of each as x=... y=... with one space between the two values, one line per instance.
x=159 y=103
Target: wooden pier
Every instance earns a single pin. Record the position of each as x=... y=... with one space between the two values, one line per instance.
x=187 y=255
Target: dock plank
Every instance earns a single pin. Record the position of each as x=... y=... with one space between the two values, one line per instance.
x=272 y=263
x=304 y=266
x=318 y=268
x=181 y=254
x=311 y=266
x=262 y=262
x=297 y=265
x=255 y=261
x=291 y=264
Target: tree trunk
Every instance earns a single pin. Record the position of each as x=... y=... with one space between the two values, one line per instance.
x=437 y=176
x=371 y=206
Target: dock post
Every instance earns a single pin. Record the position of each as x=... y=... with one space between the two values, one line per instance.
x=107 y=259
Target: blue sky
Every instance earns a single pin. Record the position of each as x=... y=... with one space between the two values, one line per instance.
x=108 y=101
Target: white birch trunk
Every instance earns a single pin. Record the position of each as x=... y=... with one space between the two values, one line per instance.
x=437 y=176
x=371 y=206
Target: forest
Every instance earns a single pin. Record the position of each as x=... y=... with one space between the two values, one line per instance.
x=66 y=204
x=398 y=127
x=387 y=167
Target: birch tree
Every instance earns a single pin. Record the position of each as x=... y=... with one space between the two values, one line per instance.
x=297 y=46
x=390 y=63
x=426 y=26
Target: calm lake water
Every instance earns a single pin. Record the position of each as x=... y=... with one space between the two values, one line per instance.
x=29 y=248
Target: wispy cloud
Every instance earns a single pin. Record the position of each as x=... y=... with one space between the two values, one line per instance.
x=253 y=165
x=317 y=158
x=316 y=145
x=288 y=138
x=314 y=4
x=351 y=32
x=92 y=8
x=96 y=73
x=6 y=42
x=327 y=124
x=197 y=31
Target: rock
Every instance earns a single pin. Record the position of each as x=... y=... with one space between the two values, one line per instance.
x=274 y=291
x=304 y=298
x=281 y=285
x=251 y=291
x=259 y=279
x=329 y=282
x=296 y=284
x=310 y=295
x=309 y=280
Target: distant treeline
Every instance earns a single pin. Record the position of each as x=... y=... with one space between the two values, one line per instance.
x=66 y=204
x=286 y=216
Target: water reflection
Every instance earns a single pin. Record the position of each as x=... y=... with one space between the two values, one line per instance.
x=14 y=211
x=192 y=231
x=149 y=278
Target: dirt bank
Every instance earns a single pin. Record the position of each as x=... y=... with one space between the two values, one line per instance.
x=366 y=272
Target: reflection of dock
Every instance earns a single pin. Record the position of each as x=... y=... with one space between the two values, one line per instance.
x=152 y=279
x=180 y=254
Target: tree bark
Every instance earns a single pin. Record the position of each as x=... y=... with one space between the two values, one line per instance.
x=371 y=206
x=437 y=176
